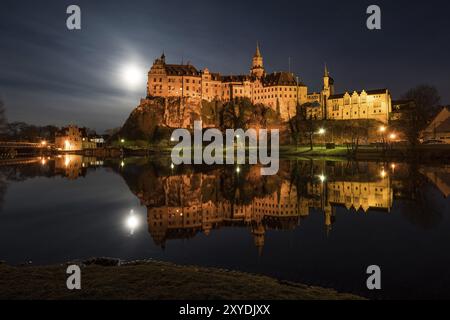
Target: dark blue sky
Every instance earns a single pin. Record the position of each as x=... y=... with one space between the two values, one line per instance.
x=50 y=75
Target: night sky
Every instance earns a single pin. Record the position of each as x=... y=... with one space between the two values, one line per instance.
x=50 y=75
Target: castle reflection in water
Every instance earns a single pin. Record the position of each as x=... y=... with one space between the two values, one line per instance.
x=182 y=202
x=182 y=205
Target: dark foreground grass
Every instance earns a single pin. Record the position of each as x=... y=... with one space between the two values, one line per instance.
x=152 y=281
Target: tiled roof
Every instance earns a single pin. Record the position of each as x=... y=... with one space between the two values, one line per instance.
x=63 y=131
x=280 y=79
x=444 y=126
x=237 y=78
x=216 y=76
x=181 y=70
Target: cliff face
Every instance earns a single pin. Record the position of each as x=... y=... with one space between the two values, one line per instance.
x=155 y=118
x=158 y=114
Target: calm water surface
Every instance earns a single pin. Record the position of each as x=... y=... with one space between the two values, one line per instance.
x=316 y=222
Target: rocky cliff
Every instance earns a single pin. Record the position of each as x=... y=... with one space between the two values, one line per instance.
x=156 y=115
x=155 y=118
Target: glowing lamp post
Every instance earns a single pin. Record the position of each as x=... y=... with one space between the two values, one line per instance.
x=67 y=145
x=322 y=178
x=382 y=131
x=321 y=132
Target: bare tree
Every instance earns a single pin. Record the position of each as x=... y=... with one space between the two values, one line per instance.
x=426 y=99
x=3 y=121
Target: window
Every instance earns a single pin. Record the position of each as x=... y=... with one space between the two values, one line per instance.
x=377 y=104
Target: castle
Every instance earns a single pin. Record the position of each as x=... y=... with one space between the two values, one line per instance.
x=282 y=91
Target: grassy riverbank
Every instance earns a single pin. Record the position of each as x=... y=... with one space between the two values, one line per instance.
x=153 y=281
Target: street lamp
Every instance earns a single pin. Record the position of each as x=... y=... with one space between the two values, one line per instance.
x=382 y=129
x=322 y=131
x=392 y=136
x=67 y=145
x=122 y=140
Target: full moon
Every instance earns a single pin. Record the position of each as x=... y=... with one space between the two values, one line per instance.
x=132 y=76
x=132 y=222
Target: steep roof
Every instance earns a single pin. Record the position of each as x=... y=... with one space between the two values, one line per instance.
x=280 y=79
x=181 y=70
x=236 y=78
x=444 y=126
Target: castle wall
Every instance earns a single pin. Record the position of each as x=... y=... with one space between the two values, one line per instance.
x=365 y=105
x=279 y=91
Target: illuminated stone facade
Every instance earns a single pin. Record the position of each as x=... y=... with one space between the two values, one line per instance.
x=282 y=91
x=279 y=90
x=72 y=138
x=373 y=104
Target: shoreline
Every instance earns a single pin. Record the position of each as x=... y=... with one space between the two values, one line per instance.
x=423 y=153
x=104 y=278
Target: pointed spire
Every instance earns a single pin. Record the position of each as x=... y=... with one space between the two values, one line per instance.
x=258 y=52
x=326 y=74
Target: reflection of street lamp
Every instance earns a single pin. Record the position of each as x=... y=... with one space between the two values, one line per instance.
x=66 y=160
x=383 y=173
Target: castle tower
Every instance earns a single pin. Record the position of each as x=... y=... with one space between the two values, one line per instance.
x=328 y=83
x=257 y=64
x=327 y=90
